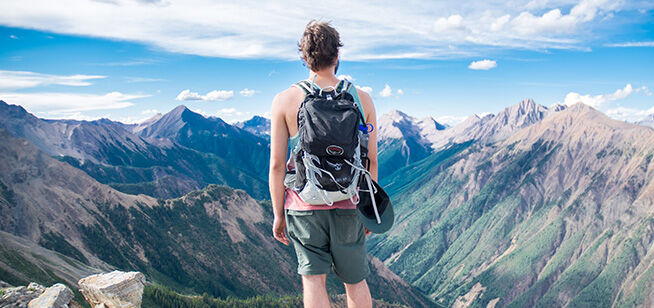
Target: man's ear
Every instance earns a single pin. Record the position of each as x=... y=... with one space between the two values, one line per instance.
x=337 y=63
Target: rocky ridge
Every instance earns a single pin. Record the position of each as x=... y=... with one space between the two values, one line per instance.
x=404 y=140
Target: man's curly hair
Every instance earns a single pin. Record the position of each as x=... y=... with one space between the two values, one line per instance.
x=319 y=45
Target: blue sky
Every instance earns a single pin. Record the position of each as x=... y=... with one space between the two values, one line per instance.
x=127 y=60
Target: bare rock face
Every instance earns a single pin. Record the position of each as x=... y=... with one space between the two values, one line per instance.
x=116 y=289
x=21 y=296
x=56 y=296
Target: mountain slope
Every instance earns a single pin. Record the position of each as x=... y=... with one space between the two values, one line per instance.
x=216 y=240
x=403 y=140
x=212 y=135
x=113 y=155
x=560 y=213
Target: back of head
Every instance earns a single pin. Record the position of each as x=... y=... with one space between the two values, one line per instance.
x=319 y=45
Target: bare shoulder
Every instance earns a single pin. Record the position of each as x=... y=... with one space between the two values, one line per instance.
x=289 y=95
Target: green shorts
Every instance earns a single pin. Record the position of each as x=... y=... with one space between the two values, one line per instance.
x=326 y=240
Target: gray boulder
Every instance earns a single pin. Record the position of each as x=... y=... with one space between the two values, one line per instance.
x=56 y=296
x=21 y=296
x=116 y=289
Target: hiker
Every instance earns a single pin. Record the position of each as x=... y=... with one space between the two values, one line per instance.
x=323 y=227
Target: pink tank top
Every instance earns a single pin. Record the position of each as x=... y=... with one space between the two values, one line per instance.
x=292 y=200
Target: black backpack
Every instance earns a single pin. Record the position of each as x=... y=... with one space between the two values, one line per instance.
x=332 y=147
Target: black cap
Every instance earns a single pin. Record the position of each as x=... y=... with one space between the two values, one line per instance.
x=366 y=210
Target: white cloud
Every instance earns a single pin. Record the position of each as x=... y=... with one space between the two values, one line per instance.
x=632 y=44
x=215 y=95
x=453 y=22
x=596 y=101
x=232 y=113
x=79 y=116
x=70 y=103
x=629 y=114
x=365 y=89
x=499 y=23
x=228 y=111
x=219 y=95
x=22 y=79
x=528 y=24
x=554 y=21
x=13 y=37
x=386 y=91
x=218 y=29
x=187 y=95
x=348 y=77
x=149 y=111
x=482 y=65
x=247 y=92
x=536 y=4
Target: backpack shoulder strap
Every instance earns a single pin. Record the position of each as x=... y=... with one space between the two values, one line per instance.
x=342 y=85
x=349 y=87
x=305 y=86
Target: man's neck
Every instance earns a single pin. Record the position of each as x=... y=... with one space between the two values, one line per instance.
x=324 y=78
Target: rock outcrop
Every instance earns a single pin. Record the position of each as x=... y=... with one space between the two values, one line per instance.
x=37 y=296
x=116 y=289
x=56 y=296
x=21 y=296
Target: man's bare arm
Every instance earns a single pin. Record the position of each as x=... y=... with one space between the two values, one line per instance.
x=278 y=148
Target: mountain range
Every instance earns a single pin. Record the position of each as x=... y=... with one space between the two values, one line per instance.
x=165 y=157
x=529 y=207
x=555 y=212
